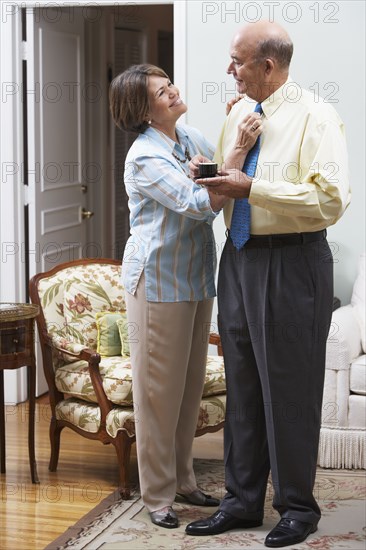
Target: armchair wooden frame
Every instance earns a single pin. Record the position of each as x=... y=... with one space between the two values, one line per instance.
x=122 y=442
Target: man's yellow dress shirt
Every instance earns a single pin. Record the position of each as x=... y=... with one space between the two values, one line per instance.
x=301 y=182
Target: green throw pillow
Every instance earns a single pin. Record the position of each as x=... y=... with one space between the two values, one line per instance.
x=108 y=340
x=124 y=336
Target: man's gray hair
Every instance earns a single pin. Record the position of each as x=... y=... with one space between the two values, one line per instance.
x=276 y=48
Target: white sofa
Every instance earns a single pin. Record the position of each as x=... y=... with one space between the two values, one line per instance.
x=343 y=434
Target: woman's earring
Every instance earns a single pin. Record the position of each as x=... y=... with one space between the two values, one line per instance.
x=149 y=121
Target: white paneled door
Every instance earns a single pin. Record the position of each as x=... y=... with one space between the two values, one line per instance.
x=55 y=98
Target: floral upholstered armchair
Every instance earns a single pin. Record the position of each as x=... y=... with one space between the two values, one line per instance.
x=84 y=338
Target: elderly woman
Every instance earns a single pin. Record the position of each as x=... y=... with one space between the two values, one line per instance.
x=168 y=273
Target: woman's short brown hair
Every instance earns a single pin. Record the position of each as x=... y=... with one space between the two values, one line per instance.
x=128 y=97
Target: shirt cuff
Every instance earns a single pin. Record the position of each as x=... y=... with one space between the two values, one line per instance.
x=258 y=193
x=204 y=203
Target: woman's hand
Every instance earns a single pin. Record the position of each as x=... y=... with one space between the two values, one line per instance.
x=230 y=104
x=231 y=183
x=193 y=165
x=248 y=131
x=217 y=201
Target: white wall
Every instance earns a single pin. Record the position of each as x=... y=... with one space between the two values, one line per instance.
x=329 y=54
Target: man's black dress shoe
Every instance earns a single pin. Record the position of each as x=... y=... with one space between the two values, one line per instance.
x=219 y=522
x=199 y=498
x=289 y=531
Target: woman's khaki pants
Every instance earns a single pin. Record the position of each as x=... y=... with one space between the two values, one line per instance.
x=168 y=343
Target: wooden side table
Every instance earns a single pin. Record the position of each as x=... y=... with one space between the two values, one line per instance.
x=17 y=350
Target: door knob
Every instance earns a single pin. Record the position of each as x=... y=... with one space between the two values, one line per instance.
x=86 y=214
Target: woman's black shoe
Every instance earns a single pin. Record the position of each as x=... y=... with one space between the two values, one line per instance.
x=166 y=517
x=199 y=498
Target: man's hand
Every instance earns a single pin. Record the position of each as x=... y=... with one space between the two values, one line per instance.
x=193 y=165
x=231 y=183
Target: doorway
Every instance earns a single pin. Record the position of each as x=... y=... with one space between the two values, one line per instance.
x=75 y=155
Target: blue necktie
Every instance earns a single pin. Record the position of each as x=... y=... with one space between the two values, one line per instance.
x=240 y=221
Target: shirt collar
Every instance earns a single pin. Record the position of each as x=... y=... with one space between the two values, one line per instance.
x=167 y=142
x=289 y=91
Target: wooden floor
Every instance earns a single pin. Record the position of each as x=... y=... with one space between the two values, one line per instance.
x=31 y=516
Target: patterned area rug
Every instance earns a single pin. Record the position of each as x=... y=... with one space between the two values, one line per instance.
x=125 y=525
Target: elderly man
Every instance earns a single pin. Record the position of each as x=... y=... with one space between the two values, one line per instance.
x=275 y=290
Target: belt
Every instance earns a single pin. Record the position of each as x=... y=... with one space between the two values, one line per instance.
x=284 y=239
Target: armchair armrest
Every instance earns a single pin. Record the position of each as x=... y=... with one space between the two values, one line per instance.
x=82 y=353
x=215 y=339
x=65 y=346
x=343 y=345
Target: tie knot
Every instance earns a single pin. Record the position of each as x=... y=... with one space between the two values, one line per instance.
x=258 y=109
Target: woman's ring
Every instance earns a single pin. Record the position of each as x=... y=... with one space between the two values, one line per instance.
x=253 y=128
